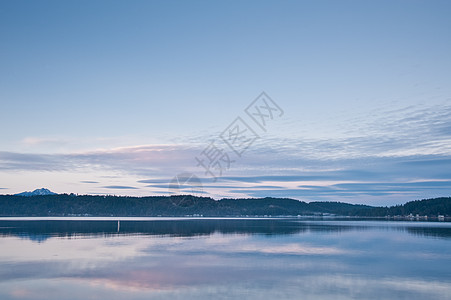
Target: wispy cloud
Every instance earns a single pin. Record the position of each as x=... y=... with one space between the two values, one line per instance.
x=148 y=159
x=39 y=141
x=120 y=187
x=394 y=155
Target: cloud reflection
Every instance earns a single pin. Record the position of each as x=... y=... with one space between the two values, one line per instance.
x=323 y=261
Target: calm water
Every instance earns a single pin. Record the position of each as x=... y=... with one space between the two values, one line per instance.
x=223 y=259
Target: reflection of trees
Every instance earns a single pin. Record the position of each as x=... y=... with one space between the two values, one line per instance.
x=335 y=228
x=41 y=230
x=438 y=232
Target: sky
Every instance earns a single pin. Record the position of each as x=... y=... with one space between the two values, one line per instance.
x=312 y=100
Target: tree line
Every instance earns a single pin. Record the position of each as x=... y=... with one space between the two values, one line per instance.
x=187 y=205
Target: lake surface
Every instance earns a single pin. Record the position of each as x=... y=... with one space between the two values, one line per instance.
x=176 y=258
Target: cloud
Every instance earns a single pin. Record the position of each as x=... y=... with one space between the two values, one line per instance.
x=10 y=161
x=282 y=174
x=216 y=186
x=120 y=187
x=392 y=154
x=148 y=159
x=154 y=181
x=37 y=141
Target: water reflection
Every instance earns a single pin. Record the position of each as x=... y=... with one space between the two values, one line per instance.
x=204 y=259
x=40 y=230
x=438 y=232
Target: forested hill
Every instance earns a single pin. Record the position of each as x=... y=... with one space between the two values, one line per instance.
x=89 y=205
x=425 y=207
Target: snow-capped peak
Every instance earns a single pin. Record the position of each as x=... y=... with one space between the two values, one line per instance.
x=37 y=192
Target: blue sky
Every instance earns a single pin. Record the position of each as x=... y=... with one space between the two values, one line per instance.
x=116 y=97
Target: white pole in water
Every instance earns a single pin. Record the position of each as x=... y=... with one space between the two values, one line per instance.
x=118 y=225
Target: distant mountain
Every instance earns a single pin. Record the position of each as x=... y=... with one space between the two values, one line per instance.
x=36 y=192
